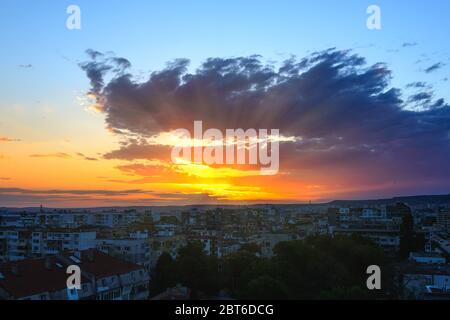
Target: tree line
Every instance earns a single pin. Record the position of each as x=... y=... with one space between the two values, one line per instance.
x=319 y=267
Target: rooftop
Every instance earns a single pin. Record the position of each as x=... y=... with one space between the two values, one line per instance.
x=102 y=265
x=33 y=276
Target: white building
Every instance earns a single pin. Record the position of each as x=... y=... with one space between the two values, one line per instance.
x=54 y=241
x=128 y=249
x=14 y=244
x=427 y=258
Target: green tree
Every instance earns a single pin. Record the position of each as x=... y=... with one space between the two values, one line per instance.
x=409 y=240
x=163 y=276
x=251 y=247
x=347 y=293
x=320 y=264
x=265 y=288
x=197 y=271
x=240 y=268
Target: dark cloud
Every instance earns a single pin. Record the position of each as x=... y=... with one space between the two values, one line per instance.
x=409 y=44
x=434 y=67
x=86 y=157
x=438 y=103
x=6 y=139
x=121 y=64
x=63 y=155
x=83 y=198
x=72 y=192
x=96 y=69
x=140 y=151
x=242 y=92
x=93 y=54
x=52 y=155
x=421 y=98
x=349 y=117
x=418 y=84
x=25 y=66
x=5 y=178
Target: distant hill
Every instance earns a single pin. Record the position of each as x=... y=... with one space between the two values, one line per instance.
x=412 y=200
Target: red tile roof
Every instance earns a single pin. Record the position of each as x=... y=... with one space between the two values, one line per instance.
x=103 y=265
x=33 y=277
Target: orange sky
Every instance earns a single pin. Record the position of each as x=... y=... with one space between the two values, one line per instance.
x=69 y=170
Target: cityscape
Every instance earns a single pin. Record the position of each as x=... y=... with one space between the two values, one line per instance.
x=229 y=252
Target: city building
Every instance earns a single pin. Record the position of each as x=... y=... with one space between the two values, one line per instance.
x=56 y=240
x=427 y=257
x=426 y=281
x=102 y=278
x=135 y=250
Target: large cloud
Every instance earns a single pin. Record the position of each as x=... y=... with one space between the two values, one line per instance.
x=345 y=113
x=319 y=95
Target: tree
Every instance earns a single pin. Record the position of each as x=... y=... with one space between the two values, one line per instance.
x=320 y=264
x=409 y=240
x=251 y=247
x=163 y=276
x=196 y=270
x=238 y=269
x=349 y=293
x=314 y=268
x=265 y=288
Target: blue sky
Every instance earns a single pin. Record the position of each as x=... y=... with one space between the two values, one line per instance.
x=150 y=33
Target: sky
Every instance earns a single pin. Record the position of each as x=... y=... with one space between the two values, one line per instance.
x=87 y=115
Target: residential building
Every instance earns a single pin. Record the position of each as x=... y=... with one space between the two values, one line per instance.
x=128 y=249
x=56 y=240
x=102 y=277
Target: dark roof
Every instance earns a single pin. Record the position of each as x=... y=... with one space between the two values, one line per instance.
x=102 y=265
x=32 y=277
x=430 y=269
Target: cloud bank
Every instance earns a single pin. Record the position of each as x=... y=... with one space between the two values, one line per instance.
x=353 y=126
